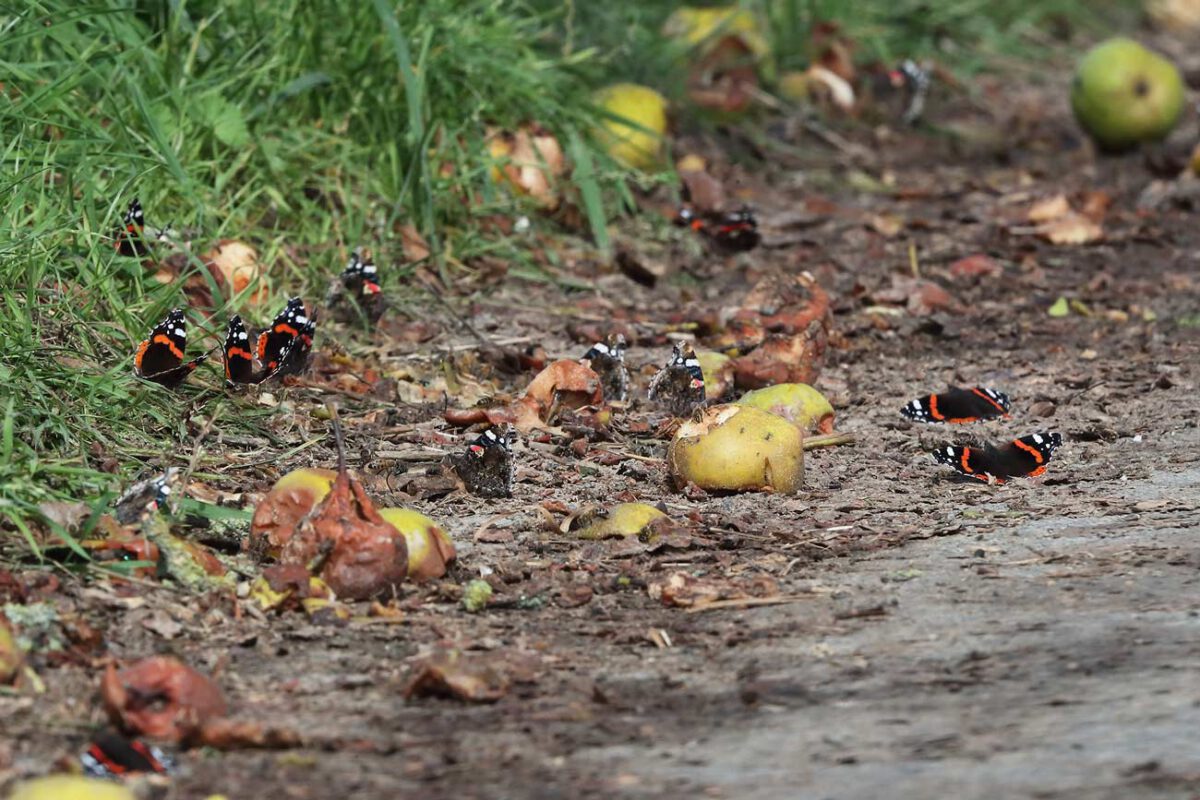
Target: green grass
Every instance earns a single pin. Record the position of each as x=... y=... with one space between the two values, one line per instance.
x=306 y=127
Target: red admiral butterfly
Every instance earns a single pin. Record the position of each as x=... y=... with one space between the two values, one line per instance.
x=128 y=238
x=1021 y=458
x=239 y=360
x=284 y=348
x=958 y=405
x=680 y=384
x=607 y=359
x=487 y=468
x=146 y=497
x=731 y=231
x=111 y=755
x=159 y=358
x=359 y=280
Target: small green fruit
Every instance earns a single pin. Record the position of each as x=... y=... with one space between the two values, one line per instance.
x=1124 y=94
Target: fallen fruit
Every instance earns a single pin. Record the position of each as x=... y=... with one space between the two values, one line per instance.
x=717 y=369
x=633 y=135
x=476 y=595
x=626 y=519
x=704 y=27
x=430 y=550
x=798 y=403
x=1124 y=94
x=70 y=787
x=160 y=697
x=738 y=448
x=10 y=654
x=291 y=499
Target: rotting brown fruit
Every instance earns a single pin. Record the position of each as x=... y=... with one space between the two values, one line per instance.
x=364 y=555
x=736 y=448
x=430 y=550
x=798 y=403
x=291 y=499
x=794 y=358
x=161 y=697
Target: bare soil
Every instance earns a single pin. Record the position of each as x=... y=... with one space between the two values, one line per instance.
x=1039 y=639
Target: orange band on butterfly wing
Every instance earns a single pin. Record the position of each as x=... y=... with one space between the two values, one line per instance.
x=1037 y=455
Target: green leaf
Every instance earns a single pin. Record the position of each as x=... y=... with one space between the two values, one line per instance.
x=1061 y=308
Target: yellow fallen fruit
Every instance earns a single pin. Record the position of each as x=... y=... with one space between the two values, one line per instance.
x=704 y=27
x=718 y=372
x=798 y=403
x=738 y=448
x=627 y=519
x=430 y=549
x=70 y=787
x=635 y=138
x=11 y=655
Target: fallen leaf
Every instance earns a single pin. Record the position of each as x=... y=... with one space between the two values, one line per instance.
x=163 y=624
x=413 y=244
x=683 y=590
x=451 y=673
x=976 y=266
x=1072 y=229
x=234 y=265
x=66 y=515
x=229 y=734
x=160 y=697
x=1048 y=209
x=1060 y=308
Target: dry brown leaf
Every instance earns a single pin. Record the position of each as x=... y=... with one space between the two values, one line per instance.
x=533 y=162
x=451 y=673
x=1048 y=209
x=233 y=264
x=683 y=590
x=565 y=383
x=229 y=734
x=1071 y=229
x=413 y=243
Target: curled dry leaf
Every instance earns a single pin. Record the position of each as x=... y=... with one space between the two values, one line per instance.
x=567 y=384
x=1072 y=229
x=161 y=697
x=233 y=264
x=703 y=191
x=532 y=162
x=230 y=734
x=1048 y=209
x=451 y=673
x=412 y=243
x=975 y=266
x=687 y=591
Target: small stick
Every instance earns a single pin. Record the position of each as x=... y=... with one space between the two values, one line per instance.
x=829 y=440
x=331 y=407
x=744 y=602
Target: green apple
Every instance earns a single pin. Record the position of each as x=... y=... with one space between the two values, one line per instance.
x=1124 y=94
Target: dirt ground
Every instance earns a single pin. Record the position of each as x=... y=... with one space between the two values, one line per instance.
x=933 y=636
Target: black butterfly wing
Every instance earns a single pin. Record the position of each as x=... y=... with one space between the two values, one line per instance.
x=239 y=360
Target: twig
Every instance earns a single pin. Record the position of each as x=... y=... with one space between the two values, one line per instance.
x=829 y=440
x=337 y=435
x=744 y=602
